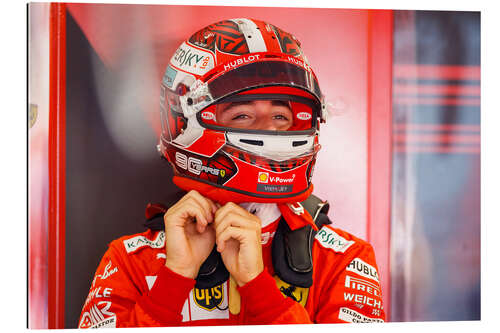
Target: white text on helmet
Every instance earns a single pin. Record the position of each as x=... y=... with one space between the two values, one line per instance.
x=300 y=63
x=241 y=61
x=281 y=180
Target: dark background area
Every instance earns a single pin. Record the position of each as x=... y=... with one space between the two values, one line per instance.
x=106 y=192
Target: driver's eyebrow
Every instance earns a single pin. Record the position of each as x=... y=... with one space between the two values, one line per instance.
x=233 y=104
x=273 y=102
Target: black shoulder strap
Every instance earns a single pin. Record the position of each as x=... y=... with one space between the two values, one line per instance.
x=292 y=250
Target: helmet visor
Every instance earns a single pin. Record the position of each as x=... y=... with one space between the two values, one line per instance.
x=261 y=112
x=260 y=74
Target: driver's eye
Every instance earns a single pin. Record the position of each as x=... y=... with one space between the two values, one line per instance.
x=240 y=116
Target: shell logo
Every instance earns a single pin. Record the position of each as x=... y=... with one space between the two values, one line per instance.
x=263 y=177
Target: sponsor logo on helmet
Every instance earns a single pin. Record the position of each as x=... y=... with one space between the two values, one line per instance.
x=195 y=165
x=207 y=115
x=241 y=61
x=304 y=115
x=263 y=177
x=169 y=77
x=192 y=59
x=280 y=180
x=300 y=63
x=274 y=183
x=274 y=188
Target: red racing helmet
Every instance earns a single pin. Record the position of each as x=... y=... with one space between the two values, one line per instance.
x=235 y=61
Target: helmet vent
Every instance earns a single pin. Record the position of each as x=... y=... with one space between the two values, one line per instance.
x=252 y=142
x=299 y=143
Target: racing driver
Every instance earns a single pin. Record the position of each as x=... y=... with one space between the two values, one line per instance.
x=247 y=243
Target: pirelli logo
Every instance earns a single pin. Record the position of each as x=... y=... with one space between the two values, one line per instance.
x=134 y=243
x=362 y=285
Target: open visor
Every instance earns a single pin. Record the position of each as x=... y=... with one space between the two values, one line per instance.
x=263 y=73
x=246 y=112
x=223 y=82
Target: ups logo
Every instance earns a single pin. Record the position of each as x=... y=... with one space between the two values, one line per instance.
x=209 y=298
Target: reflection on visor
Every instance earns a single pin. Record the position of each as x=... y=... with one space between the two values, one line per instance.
x=271 y=112
x=262 y=74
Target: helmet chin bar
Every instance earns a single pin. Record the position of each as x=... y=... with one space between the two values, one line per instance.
x=275 y=147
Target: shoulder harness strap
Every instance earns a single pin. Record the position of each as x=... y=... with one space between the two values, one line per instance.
x=292 y=250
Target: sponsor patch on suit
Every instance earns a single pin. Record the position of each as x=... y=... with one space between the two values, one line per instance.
x=210 y=303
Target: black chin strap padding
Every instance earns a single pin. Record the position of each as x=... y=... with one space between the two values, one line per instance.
x=212 y=272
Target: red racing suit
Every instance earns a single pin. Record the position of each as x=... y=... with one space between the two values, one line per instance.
x=133 y=288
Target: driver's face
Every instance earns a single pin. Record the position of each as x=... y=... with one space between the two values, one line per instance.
x=257 y=115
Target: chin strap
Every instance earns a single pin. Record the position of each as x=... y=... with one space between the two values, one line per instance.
x=296 y=216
